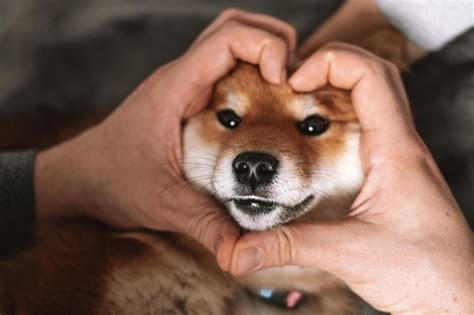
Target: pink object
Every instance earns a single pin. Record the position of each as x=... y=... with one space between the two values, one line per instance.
x=293 y=298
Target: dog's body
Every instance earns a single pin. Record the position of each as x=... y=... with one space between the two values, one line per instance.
x=270 y=155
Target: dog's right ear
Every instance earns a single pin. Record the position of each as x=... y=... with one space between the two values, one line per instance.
x=387 y=43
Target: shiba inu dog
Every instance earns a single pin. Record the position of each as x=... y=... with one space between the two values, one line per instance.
x=270 y=156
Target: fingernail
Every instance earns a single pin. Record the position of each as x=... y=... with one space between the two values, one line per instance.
x=295 y=81
x=249 y=260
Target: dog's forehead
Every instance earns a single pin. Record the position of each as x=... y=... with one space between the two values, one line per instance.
x=247 y=93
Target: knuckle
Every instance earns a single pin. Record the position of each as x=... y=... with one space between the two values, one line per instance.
x=286 y=246
x=327 y=54
x=231 y=26
x=416 y=157
x=200 y=227
x=391 y=67
x=412 y=150
x=419 y=151
x=291 y=31
x=271 y=44
x=386 y=68
x=334 y=45
x=279 y=42
x=331 y=50
x=377 y=66
x=230 y=13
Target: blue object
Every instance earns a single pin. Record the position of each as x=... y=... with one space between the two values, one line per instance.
x=266 y=293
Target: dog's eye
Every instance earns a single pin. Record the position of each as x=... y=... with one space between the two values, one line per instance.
x=313 y=125
x=228 y=118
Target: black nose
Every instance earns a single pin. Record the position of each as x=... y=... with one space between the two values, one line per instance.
x=254 y=168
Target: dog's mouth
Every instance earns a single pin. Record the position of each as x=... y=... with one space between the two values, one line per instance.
x=258 y=214
x=255 y=206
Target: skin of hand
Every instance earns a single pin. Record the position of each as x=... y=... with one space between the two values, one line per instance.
x=405 y=246
x=127 y=170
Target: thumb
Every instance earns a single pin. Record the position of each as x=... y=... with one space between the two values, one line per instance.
x=308 y=245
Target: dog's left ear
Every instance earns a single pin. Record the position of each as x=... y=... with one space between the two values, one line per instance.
x=387 y=43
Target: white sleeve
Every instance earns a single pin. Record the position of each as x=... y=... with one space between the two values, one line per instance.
x=430 y=24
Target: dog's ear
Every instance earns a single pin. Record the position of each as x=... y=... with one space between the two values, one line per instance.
x=387 y=43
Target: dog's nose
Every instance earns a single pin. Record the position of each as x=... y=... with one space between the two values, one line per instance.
x=254 y=168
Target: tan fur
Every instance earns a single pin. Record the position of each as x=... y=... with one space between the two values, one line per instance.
x=84 y=267
x=388 y=44
x=273 y=113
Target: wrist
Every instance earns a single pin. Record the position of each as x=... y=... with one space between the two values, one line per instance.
x=59 y=185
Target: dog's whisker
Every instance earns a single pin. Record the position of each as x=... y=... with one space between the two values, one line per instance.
x=204 y=151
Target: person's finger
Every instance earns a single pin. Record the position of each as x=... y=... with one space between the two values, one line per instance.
x=306 y=245
x=265 y=22
x=216 y=55
x=200 y=217
x=213 y=228
x=377 y=91
x=195 y=73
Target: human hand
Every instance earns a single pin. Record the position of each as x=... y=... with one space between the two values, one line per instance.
x=405 y=246
x=127 y=170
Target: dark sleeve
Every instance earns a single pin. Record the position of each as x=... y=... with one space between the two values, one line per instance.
x=17 y=199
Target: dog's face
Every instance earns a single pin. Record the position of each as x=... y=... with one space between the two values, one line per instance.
x=270 y=154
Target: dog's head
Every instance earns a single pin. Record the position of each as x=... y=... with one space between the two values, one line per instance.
x=270 y=154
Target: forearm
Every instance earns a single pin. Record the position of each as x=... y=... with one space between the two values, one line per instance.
x=62 y=178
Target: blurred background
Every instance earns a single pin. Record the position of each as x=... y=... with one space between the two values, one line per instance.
x=61 y=59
